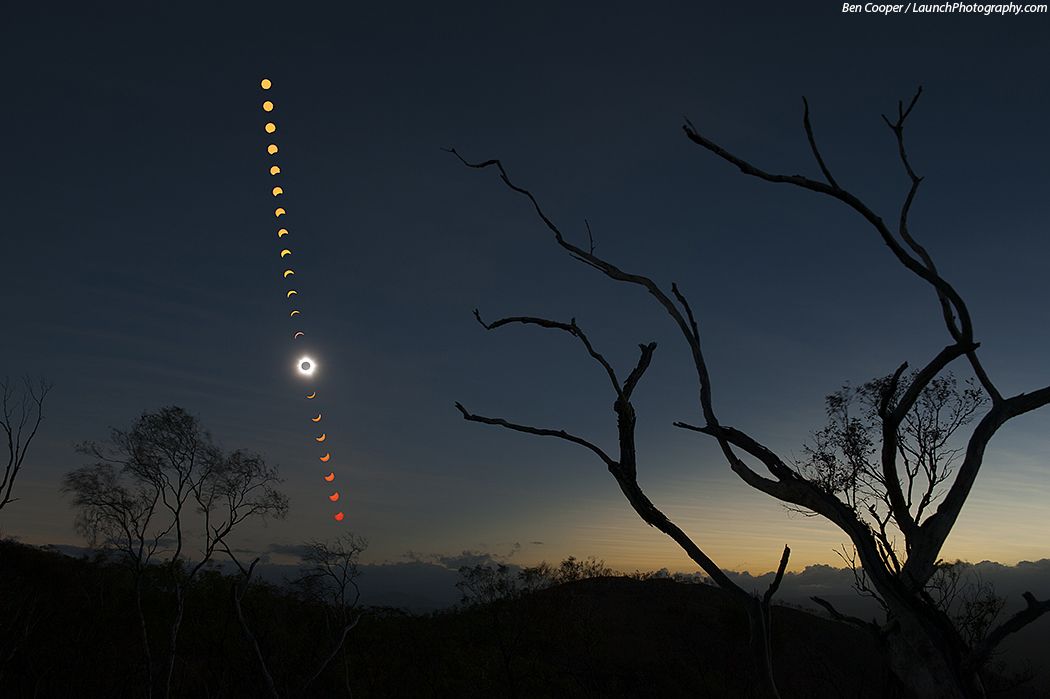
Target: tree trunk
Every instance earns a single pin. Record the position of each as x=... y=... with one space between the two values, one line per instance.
x=175 y=625
x=760 y=650
x=271 y=688
x=145 y=636
x=926 y=661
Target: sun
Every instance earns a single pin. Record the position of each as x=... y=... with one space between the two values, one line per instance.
x=306 y=366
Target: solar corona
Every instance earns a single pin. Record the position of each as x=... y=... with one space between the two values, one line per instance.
x=305 y=366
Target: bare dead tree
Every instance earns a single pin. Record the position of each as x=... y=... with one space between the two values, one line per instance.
x=159 y=489
x=237 y=591
x=330 y=575
x=924 y=648
x=624 y=470
x=21 y=412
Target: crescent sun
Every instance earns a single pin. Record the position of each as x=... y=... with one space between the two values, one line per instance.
x=291 y=293
x=316 y=419
x=279 y=211
x=334 y=496
x=321 y=438
x=330 y=477
x=326 y=458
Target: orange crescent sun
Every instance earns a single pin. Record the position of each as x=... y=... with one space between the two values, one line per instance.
x=321 y=438
x=334 y=496
x=325 y=458
x=330 y=477
x=316 y=419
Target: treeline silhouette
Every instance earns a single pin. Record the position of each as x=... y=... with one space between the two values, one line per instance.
x=574 y=629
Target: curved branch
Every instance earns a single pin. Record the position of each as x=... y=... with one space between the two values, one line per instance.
x=813 y=145
x=845 y=618
x=775 y=585
x=936 y=528
x=569 y=327
x=1033 y=610
x=560 y=434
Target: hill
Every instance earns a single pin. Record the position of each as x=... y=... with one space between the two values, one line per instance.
x=68 y=628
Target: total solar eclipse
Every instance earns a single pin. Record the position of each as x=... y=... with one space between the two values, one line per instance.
x=306 y=366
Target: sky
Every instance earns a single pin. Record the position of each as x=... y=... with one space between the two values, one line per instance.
x=142 y=270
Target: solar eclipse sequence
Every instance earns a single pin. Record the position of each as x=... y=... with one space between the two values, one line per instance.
x=305 y=365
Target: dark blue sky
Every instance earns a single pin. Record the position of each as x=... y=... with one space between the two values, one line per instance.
x=141 y=268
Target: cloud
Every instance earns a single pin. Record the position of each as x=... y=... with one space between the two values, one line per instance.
x=297 y=550
x=455 y=561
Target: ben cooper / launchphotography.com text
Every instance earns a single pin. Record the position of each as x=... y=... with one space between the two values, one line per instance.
x=942 y=8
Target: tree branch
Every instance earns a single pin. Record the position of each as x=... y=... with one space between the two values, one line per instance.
x=775 y=585
x=560 y=434
x=569 y=327
x=1033 y=610
x=813 y=145
x=852 y=620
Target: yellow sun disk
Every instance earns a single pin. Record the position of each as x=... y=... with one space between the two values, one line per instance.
x=279 y=212
x=271 y=149
x=265 y=84
x=277 y=191
x=339 y=516
x=267 y=106
x=270 y=127
x=275 y=170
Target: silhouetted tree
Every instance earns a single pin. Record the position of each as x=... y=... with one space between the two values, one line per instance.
x=924 y=648
x=330 y=573
x=329 y=578
x=21 y=412
x=160 y=489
